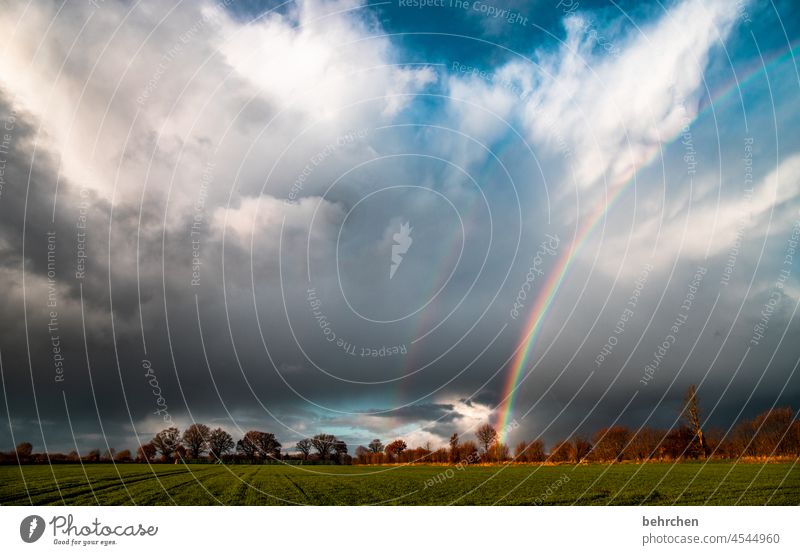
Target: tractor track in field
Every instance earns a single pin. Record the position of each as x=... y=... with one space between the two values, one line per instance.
x=239 y=495
x=167 y=488
x=301 y=490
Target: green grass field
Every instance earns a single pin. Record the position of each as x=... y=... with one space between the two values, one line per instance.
x=715 y=483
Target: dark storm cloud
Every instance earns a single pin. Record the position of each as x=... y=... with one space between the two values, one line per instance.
x=422 y=411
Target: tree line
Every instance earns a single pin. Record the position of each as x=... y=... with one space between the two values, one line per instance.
x=200 y=443
x=773 y=433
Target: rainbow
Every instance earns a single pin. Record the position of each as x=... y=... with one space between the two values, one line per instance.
x=550 y=288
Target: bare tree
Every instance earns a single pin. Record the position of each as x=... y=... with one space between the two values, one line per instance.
x=220 y=443
x=195 y=439
x=499 y=452
x=258 y=445
x=521 y=452
x=691 y=413
x=581 y=448
x=771 y=432
x=247 y=446
x=324 y=444
x=145 y=453
x=454 y=448
x=24 y=450
x=486 y=435
x=610 y=443
x=644 y=444
x=304 y=446
x=395 y=448
x=340 y=449
x=166 y=442
x=267 y=445
x=375 y=446
x=680 y=442
x=562 y=451
x=535 y=451
x=792 y=443
x=468 y=452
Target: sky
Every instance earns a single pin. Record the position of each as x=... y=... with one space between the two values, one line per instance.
x=395 y=219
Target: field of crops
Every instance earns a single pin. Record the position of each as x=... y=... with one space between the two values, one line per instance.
x=716 y=483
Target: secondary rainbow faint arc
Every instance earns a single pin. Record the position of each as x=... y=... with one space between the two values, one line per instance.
x=544 y=300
